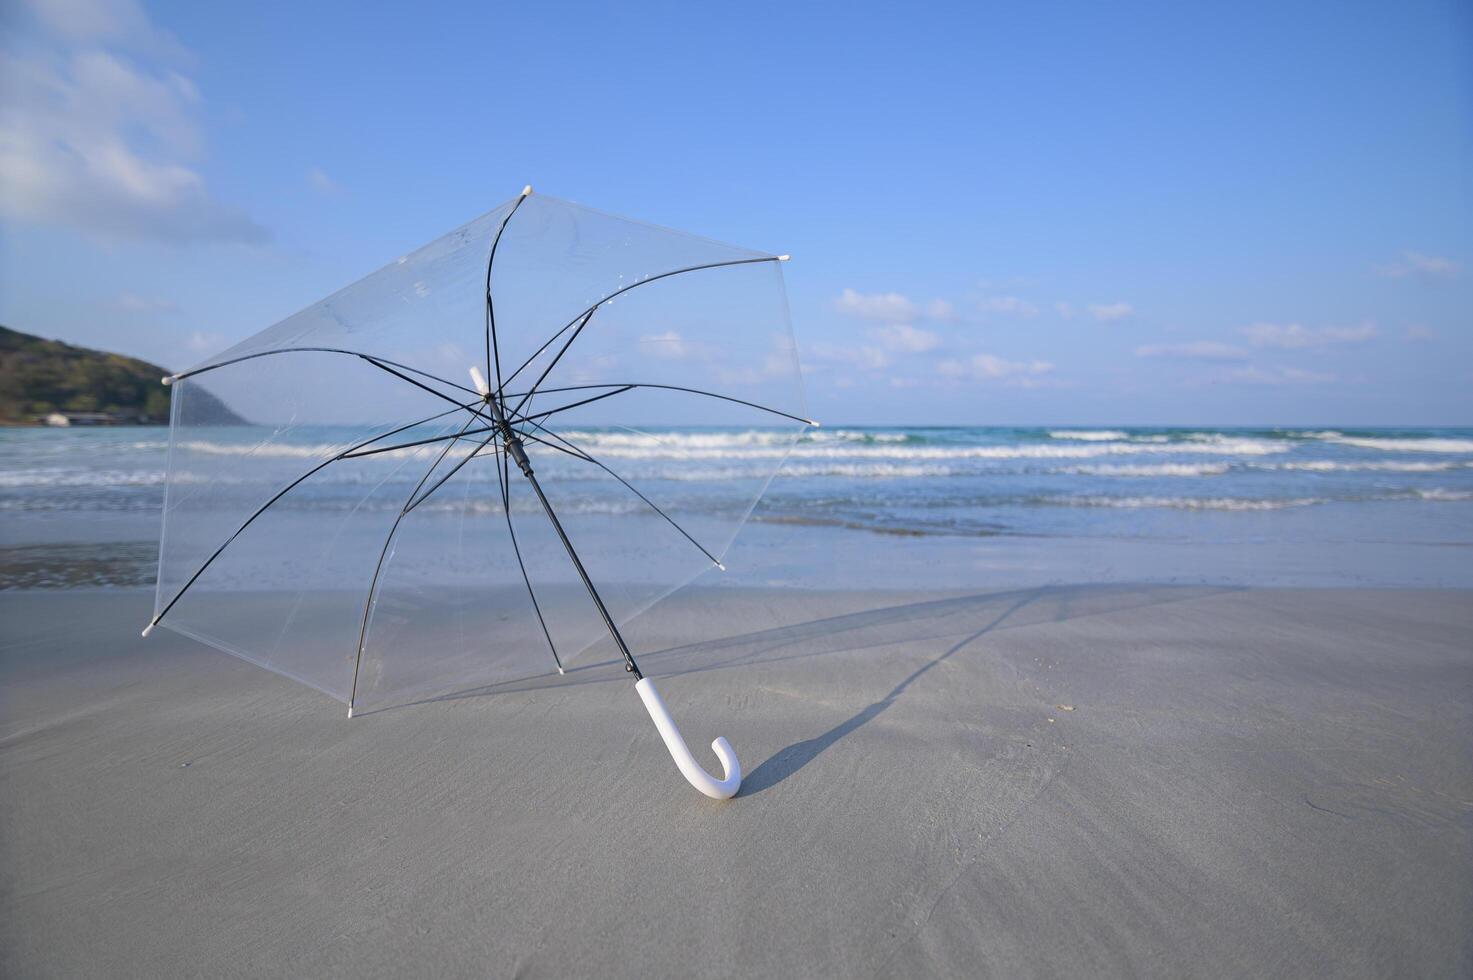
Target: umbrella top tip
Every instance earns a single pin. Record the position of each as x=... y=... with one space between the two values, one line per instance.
x=167 y=379
x=527 y=191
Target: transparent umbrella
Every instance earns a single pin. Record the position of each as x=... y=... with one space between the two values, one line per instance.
x=482 y=461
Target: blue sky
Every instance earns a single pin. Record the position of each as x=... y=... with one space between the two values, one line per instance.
x=1052 y=213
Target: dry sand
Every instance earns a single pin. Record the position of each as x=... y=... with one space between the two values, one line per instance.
x=1161 y=781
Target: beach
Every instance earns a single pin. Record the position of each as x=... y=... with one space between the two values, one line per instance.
x=1114 y=779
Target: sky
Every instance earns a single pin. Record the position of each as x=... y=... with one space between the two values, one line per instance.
x=1052 y=213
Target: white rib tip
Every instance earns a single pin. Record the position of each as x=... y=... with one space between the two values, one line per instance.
x=350 y=711
x=561 y=671
x=527 y=191
x=148 y=629
x=721 y=566
x=783 y=258
x=479 y=381
x=816 y=425
x=167 y=380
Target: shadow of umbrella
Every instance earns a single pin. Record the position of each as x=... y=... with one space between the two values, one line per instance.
x=789 y=760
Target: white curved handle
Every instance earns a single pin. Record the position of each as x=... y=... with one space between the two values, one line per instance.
x=718 y=789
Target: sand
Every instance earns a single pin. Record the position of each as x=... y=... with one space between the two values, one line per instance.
x=1147 y=781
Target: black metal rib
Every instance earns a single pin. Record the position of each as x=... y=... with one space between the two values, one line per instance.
x=625 y=385
x=492 y=348
x=321 y=350
x=453 y=470
x=384 y=366
x=418 y=442
x=589 y=312
x=583 y=454
x=504 y=480
x=553 y=363
x=564 y=408
x=552 y=445
x=379 y=567
x=345 y=454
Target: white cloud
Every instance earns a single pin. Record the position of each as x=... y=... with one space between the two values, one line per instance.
x=865 y=358
x=1199 y=350
x=203 y=344
x=1106 y=312
x=1007 y=306
x=670 y=346
x=1422 y=266
x=889 y=307
x=1293 y=336
x=1274 y=376
x=320 y=181
x=894 y=308
x=904 y=338
x=939 y=309
x=117 y=22
x=1419 y=332
x=93 y=137
x=133 y=303
x=990 y=368
x=1065 y=311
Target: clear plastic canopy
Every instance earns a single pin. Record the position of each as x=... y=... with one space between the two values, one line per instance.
x=341 y=507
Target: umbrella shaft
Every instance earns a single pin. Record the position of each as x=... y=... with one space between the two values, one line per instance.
x=515 y=451
x=557 y=526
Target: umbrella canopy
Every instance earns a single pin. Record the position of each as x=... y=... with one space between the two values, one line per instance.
x=479 y=462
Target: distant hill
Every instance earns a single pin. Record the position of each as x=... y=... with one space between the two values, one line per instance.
x=39 y=377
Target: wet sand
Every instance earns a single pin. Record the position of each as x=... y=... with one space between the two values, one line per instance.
x=1105 y=780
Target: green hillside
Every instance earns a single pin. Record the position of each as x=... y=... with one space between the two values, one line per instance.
x=39 y=376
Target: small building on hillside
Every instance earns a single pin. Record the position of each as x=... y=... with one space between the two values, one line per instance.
x=83 y=418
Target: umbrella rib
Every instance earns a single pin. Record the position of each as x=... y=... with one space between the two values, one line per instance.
x=384 y=553
x=504 y=481
x=626 y=385
x=384 y=366
x=564 y=408
x=624 y=289
x=583 y=454
x=321 y=350
x=493 y=350
x=345 y=454
x=453 y=470
x=418 y=442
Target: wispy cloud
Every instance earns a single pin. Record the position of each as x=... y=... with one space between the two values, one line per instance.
x=1422 y=266
x=1006 y=306
x=863 y=357
x=1106 y=312
x=1274 y=376
x=895 y=308
x=940 y=309
x=904 y=338
x=133 y=303
x=99 y=128
x=1199 y=350
x=990 y=368
x=1418 y=332
x=1293 y=336
x=889 y=307
x=320 y=181
x=671 y=345
x=202 y=344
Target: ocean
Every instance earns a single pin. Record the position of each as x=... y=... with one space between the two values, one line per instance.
x=958 y=507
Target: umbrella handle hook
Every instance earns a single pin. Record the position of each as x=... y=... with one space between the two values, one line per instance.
x=718 y=789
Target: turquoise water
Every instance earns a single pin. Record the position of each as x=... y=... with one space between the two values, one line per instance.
x=1379 y=506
